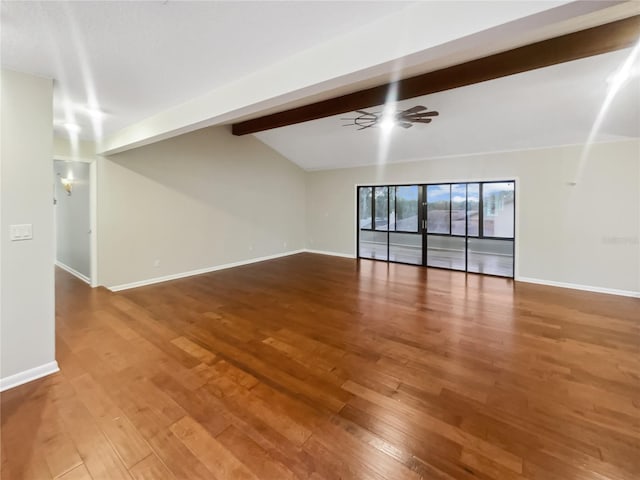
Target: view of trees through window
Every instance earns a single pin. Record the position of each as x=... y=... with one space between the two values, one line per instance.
x=395 y=208
x=473 y=209
x=451 y=206
x=364 y=202
x=406 y=208
x=382 y=204
x=439 y=209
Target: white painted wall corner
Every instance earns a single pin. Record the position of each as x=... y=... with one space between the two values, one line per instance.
x=73 y=272
x=333 y=254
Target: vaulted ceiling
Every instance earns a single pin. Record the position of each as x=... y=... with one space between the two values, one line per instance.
x=162 y=68
x=135 y=59
x=553 y=106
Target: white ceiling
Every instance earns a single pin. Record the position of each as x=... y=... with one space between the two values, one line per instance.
x=552 y=106
x=135 y=59
x=163 y=68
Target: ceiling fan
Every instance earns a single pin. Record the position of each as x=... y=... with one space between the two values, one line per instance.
x=402 y=118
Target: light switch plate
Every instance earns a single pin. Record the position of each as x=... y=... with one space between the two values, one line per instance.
x=21 y=232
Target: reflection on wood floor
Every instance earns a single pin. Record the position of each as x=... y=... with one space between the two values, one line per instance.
x=492 y=264
x=316 y=367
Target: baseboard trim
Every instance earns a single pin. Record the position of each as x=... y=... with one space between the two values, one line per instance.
x=576 y=286
x=166 y=278
x=333 y=254
x=176 y=276
x=73 y=272
x=28 y=375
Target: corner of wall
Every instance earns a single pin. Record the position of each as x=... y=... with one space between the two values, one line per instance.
x=27 y=339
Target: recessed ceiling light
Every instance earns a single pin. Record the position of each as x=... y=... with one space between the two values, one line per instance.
x=72 y=127
x=94 y=112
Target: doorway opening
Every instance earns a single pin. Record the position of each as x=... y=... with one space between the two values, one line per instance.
x=74 y=199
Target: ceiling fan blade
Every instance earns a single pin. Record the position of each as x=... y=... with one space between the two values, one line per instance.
x=423 y=114
x=362 y=112
x=421 y=120
x=405 y=125
x=417 y=108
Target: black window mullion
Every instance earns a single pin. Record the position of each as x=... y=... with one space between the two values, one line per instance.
x=513 y=234
x=450 y=212
x=373 y=208
x=358 y=222
x=480 y=211
x=420 y=212
x=388 y=220
x=466 y=227
x=422 y=227
x=395 y=209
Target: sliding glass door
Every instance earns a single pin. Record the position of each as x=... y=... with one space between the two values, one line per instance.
x=373 y=228
x=458 y=226
x=445 y=249
x=389 y=220
x=491 y=249
x=405 y=240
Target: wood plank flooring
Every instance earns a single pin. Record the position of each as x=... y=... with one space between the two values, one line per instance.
x=315 y=367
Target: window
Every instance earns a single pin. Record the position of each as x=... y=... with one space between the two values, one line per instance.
x=458 y=209
x=473 y=209
x=439 y=209
x=498 y=209
x=406 y=208
x=459 y=226
x=365 y=207
x=381 y=208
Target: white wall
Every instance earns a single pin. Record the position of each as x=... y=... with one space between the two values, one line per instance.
x=65 y=148
x=27 y=310
x=193 y=202
x=72 y=214
x=585 y=234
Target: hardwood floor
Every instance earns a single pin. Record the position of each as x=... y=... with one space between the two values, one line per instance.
x=324 y=368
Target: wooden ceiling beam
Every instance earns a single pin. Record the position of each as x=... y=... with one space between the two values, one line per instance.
x=573 y=46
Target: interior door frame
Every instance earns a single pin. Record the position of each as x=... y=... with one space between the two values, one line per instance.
x=93 y=213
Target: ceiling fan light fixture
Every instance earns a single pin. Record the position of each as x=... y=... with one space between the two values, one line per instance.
x=387 y=124
x=389 y=118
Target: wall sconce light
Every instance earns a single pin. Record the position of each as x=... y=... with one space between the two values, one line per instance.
x=67 y=184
